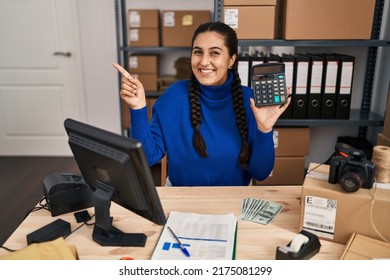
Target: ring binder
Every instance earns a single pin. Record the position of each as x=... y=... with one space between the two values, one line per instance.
x=329 y=86
x=344 y=87
x=315 y=77
x=289 y=62
x=301 y=76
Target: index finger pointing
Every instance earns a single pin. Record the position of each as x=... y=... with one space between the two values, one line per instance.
x=122 y=70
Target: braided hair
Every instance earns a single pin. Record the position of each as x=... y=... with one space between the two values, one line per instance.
x=231 y=43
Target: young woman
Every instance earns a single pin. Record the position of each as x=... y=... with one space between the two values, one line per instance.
x=208 y=126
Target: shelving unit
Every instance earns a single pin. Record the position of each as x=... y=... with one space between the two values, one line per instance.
x=362 y=117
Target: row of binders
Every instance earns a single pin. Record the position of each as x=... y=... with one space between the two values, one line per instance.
x=321 y=84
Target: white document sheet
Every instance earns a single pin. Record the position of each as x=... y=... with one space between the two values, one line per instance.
x=206 y=237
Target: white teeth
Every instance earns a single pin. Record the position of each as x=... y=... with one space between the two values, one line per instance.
x=206 y=70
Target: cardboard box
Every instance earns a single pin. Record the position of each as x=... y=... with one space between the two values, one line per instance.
x=143 y=18
x=287 y=171
x=249 y=2
x=165 y=81
x=144 y=37
x=149 y=81
x=183 y=68
x=251 y=22
x=150 y=102
x=382 y=140
x=126 y=111
x=331 y=19
x=125 y=115
x=360 y=247
x=291 y=141
x=333 y=214
x=143 y=64
x=178 y=26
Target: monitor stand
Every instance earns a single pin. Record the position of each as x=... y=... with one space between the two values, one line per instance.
x=104 y=233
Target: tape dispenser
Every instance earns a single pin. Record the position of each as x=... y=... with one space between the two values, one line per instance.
x=304 y=246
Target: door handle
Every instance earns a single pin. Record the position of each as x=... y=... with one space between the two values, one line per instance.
x=67 y=54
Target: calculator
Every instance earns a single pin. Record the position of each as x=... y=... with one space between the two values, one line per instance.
x=269 y=84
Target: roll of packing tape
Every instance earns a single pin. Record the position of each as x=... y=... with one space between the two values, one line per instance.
x=297 y=243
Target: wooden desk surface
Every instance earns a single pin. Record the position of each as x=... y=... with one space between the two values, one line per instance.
x=254 y=241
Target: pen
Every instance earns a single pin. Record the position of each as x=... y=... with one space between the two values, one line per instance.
x=182 y=248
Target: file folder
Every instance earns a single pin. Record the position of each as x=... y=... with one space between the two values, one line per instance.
x=289 y=63
x=344 y=87
x=244 y=70
x=301 y=77
x=328 y=108
x=257 y=60
x=314 y=102
x=272 y=58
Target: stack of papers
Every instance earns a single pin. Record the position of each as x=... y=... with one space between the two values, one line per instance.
x=206 y=237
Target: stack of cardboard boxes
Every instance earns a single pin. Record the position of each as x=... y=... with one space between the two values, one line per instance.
x=144 y=28
x=291 y=146
x=145 y=68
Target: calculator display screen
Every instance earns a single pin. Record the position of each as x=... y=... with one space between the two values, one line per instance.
x=268 y=69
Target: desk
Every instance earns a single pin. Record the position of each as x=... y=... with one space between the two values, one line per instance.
x=254 y=241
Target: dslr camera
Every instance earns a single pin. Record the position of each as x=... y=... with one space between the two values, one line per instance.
x=351 y=168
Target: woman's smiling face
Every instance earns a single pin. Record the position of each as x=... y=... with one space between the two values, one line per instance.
x=210 y=59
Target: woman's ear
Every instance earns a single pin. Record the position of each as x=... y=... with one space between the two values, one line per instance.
x=232 y=60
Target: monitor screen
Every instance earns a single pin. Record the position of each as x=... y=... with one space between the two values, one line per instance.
x=116 y=169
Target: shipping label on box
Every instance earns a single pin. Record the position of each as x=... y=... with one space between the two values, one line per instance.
x=319 y=216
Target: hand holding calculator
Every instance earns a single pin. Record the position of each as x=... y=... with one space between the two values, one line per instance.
x=269 y=84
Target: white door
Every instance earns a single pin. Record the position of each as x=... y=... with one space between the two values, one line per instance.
x=40 y=76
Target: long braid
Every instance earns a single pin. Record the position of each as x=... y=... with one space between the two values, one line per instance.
x=197 y=139
x=238 y=104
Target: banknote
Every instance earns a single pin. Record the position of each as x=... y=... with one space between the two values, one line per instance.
x=259 y=210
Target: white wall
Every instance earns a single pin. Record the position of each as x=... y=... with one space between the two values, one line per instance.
x=98 y=43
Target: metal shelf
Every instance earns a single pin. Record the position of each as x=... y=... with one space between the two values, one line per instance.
x=356 y=119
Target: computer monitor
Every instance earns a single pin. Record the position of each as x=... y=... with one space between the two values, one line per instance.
x=116 y=169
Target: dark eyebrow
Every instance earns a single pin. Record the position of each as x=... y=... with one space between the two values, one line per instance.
x=212 y=48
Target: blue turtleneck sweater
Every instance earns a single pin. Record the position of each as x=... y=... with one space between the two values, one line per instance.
x=170 y=132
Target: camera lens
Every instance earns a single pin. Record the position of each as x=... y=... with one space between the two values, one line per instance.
x=351 y=181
